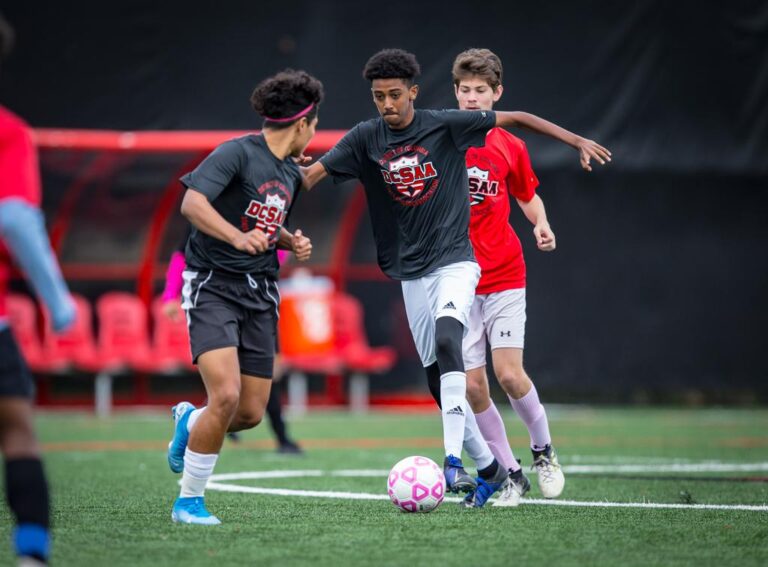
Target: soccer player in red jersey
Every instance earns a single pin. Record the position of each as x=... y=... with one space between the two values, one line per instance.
x=497 y=171
x=23 y=238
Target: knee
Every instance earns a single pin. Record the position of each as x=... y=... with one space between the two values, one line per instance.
x=224 y=402
x=248 y=419
x=17 y=432
x=515 y=381
x=477 y=394
x=446 y=345
x=448 y=338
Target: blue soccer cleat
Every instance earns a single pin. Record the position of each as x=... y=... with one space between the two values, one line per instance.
x=193 y=511
x=456 y=478
x=178 y=444
x=486 y=488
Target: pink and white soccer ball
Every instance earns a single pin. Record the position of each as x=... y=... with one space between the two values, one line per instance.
x=416 y=484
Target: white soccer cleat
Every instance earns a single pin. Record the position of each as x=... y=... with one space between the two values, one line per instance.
x=551 y=478
x=514 y=491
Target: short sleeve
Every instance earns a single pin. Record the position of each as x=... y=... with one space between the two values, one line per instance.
x=344 y=160
x=216 y=171
x=469 y=127
x=521 y=181
x=296 y=195
x=19 y=167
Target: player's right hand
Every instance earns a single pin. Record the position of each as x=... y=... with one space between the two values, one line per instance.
x=545 y=238
x=253 y=242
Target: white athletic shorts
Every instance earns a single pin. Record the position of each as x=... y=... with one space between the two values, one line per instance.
x=447 y=291
x=499 y=317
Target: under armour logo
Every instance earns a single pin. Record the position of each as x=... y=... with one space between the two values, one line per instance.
x=455 y=411
x=506 y=333
x=449 y=305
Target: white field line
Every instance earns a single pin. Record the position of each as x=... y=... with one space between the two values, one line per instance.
x=216 y=483
x=583 y=504
x=712 y=466
x=707 y=466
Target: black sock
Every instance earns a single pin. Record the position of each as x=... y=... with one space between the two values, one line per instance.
x=27 y=494
x=489 y=471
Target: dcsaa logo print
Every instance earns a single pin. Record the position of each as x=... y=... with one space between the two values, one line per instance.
x=410 y=177
x=480 y=186
x=270 y=215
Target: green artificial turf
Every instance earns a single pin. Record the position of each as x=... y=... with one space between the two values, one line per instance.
x=113 y=494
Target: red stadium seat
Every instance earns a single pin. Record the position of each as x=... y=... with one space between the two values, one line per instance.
x=351 y=340
x=123 y=339
x=22 y=316
x=170 y=344
x=359 y=359
x=74 y=348
x=351 y=355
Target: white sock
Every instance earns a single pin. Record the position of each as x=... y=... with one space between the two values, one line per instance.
x=453 y=395
x=475 y=444
x=197 y=470
x=193 y=418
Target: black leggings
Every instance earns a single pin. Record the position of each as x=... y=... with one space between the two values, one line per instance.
x=275 y=413
x=449 y=334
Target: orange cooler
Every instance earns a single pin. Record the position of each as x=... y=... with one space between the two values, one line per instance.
x=306 y=322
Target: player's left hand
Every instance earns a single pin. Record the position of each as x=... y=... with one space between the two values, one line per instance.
x=301 y=245
x=545 y=238
x=303 y=160
x=589 y=150
x=171 y=309
x=63 y=315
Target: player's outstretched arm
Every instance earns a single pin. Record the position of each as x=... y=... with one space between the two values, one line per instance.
x=313 y=175
x=23 y=230
x=199 y=211
x=536 y=213
x=588 y=149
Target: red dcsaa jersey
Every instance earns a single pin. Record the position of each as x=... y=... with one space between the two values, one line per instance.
x=498 y=171
x=19 y=178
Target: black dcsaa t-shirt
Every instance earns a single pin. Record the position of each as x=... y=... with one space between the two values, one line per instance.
x=251 y=188
x=416 y=183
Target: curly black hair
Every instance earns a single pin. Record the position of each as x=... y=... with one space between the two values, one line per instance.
x=392 y=64
x=286 y=94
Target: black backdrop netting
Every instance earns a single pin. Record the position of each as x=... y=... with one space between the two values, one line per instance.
x=660 y=277
x=668 y=85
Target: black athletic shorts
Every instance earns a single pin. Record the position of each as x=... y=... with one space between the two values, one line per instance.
x=225 y=310
x=15 y=378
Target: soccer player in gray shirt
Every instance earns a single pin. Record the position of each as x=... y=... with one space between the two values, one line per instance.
x=412 y=165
